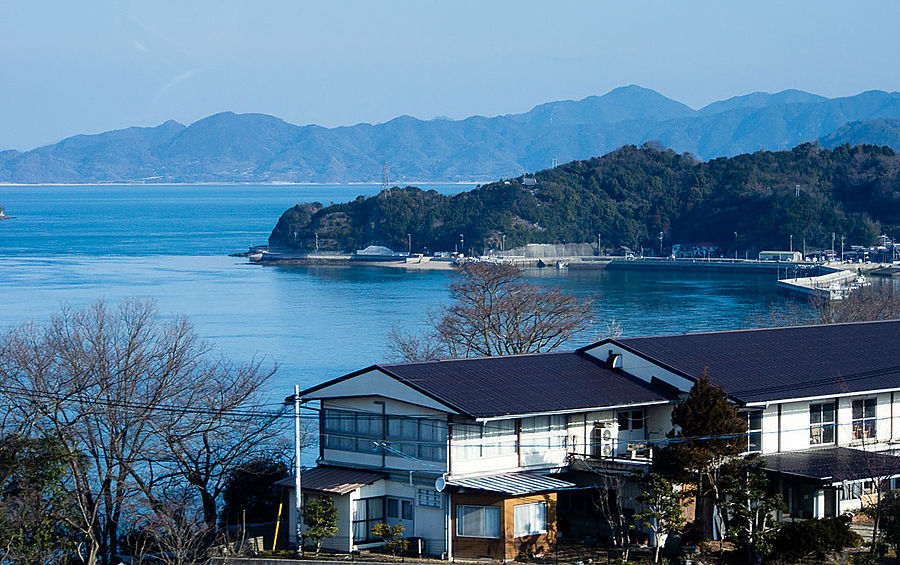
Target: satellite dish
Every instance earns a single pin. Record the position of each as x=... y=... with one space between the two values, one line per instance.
x=440 y=484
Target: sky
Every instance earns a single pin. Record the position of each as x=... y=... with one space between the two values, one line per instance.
x=90 y=66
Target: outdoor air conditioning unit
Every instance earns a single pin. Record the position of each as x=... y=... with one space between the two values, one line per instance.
x=604 y=439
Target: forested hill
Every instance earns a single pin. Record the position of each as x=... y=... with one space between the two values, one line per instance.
x=628 y=197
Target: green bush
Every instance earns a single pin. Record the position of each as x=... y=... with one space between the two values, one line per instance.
x=796 y=540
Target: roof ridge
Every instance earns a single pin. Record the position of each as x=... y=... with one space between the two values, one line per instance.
x=479 y=358
x=751 y=330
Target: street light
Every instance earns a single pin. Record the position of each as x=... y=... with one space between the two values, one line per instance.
x=792 y=244
x=660 y=243
x=462 y=244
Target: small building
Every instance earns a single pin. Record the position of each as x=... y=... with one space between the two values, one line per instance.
x=700 y=250
x=792 y=256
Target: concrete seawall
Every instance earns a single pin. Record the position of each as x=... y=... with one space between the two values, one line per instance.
x=828 y=286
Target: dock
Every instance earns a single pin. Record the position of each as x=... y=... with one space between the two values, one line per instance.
x=832 y=285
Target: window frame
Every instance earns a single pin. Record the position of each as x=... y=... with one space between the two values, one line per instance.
x=753 y=433
x=517 y=533
x=823 y=426
x=493 y=510
x=864 y=421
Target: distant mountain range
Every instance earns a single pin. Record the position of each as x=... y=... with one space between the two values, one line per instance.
x=230 y=147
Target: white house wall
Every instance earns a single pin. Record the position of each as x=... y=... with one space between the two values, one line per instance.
x=795 y=423
x=341 y=541
x=428 y=522
x=385 y=385
x=639 y=367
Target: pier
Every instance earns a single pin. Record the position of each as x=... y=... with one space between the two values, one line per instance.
x=832 y=285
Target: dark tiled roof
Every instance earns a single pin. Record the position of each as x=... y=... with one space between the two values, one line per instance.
x=524 y=384
x=779 y=363
x=834 y=464
x=333 y=479
x=515 y=484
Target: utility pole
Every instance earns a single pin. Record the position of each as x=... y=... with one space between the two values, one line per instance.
x=502 y=242
x=409 y=242
x=735 y=246
x=832 y=244
x=598 y=245
x=792 y=244
x=842 y=249
x=462 y=244
x=298 y=499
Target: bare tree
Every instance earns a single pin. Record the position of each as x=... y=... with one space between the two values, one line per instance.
x=495 y=312
x=137 y=407
x=224 y=424
x=609 y=497
x=867 y=303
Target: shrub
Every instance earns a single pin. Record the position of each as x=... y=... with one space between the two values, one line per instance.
x=796 y=540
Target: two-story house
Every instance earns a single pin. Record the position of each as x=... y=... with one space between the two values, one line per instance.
x=482 y=457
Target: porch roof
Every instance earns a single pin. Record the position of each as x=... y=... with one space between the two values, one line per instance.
x=515 y=484
x=335 y=480
x=834 y=464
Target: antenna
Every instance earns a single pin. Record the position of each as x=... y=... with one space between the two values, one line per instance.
x=386 y=176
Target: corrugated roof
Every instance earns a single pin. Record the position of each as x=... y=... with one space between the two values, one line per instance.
x=334 y=479
x=834 y=464
x=512 y=483
x=779 y=363
x=522 y=384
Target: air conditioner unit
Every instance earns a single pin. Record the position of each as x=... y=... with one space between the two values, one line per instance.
x=604 y=439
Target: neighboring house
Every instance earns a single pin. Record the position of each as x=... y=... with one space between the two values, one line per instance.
x=492 y=457
x=702 y=250
x=793 y=256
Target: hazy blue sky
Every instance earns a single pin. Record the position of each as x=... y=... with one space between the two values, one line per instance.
x=82 y=67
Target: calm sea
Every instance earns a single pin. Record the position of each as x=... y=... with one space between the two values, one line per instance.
x=73 y=245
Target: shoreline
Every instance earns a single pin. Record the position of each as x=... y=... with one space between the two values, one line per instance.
x=241 y=183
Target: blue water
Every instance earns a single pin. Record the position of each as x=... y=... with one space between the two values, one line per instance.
x=73 y=245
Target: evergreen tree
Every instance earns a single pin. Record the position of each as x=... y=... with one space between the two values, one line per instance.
x=321 y=517
x=708 y=433
x=663 y=512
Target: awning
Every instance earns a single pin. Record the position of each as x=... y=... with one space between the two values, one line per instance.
x=511 y=483
x=333 y=479
x=833 y=464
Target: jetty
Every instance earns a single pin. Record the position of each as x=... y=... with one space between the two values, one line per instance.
x=835 y=284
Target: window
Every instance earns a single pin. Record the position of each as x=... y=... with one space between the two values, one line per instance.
x=478 y=521
x=821 y=423
x=863 y=413
x=541 y=433
x=430 y=498
x=754 y=430
x=631 y=420
x=493 y=439
x=499 y=438
x=399 y=508
x=530 y=519
x=348 y=430
x=368 y=512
